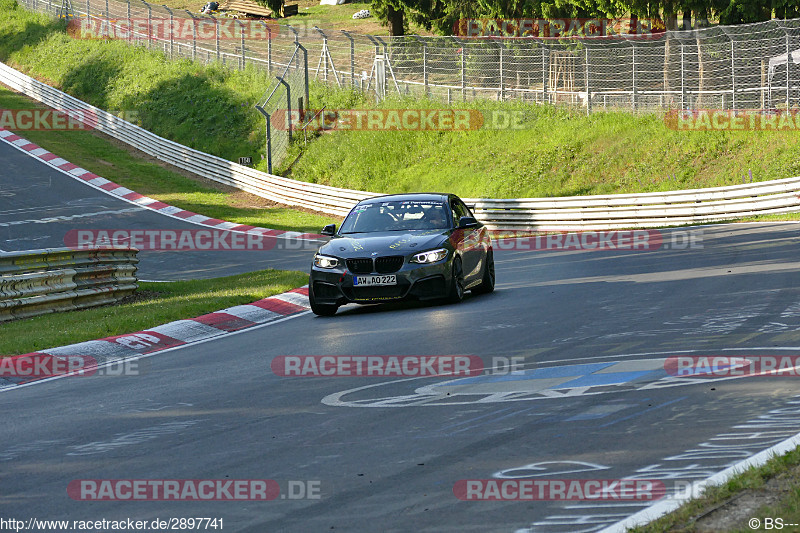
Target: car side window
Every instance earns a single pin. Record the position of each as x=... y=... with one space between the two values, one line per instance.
x=459 y=210
x=466 y=209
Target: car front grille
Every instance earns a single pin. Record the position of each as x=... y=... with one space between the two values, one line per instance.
x=378 y=293
x=389 y=264
x=361 y=265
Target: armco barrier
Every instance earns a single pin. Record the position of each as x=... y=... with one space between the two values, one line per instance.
x=565 y=213
x=36 y=282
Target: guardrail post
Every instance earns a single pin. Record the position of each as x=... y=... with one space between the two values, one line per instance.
x=171 y=26
x=352 y=58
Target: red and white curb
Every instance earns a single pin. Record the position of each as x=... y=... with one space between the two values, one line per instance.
x=179 y=333
x=123 y=193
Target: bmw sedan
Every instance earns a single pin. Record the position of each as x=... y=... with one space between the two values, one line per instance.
x=420 y=246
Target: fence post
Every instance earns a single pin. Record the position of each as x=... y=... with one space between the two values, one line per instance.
x=788 y=65
x=633 y=75
x=463 y=69
x=502 y=81
x=352 y=58
x=588 y=89
x=149 y=24
x=733 y=75
x=288 y=105
x=305 y=69
x=683 y=80
x=194 y=35
x=216 y=36
x=545 y=72
x=424 y=63
x=269 y=47
x=323 y=55
x=108 y=18
x=171 y=26
x=269 y=138
x=130 y=22
x=242 y=43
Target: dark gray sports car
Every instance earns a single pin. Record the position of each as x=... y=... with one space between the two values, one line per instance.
x=423 y=246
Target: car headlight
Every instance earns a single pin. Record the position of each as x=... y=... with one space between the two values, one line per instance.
x=430 y=257
x=323 y=261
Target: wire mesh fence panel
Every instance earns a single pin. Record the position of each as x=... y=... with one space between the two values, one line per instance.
x=750 y=66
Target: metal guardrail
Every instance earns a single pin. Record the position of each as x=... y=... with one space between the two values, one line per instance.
x=578 y=212
x=37 y=282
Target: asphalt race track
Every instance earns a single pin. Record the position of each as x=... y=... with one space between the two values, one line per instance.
x=39 y=205
x=591 y=330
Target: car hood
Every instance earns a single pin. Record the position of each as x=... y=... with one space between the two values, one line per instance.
x=385 y=243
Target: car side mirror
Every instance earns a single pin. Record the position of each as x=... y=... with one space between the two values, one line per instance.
x=467 y=222
x=329 y=230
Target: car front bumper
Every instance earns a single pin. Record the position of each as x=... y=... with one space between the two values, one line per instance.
x=421 y=282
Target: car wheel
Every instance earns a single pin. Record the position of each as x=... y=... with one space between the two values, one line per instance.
x=456 y=293
x=487 y=284
x=320 y=309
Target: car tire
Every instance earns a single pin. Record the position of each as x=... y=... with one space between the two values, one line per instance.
x=456 y=292
x=487 y=284
x=320 y=309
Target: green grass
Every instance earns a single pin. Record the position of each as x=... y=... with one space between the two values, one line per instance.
x=788 y=507
x=164 y=303
x=556 y=152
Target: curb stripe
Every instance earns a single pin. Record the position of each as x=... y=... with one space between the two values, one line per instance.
x=174 y=334
x=126 y=194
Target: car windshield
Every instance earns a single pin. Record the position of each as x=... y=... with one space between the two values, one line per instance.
x=396 y=216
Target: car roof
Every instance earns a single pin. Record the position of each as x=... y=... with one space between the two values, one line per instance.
x=408 y=197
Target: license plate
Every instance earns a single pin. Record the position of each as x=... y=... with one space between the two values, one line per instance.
x=372 y=281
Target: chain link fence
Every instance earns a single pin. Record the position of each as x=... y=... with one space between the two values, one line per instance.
x=752 y=66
